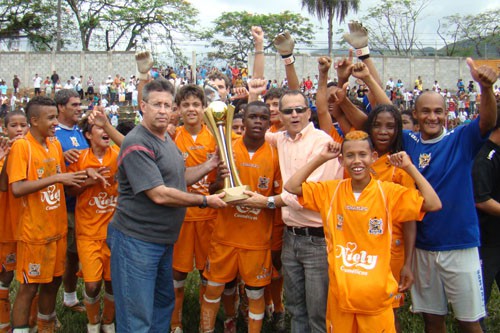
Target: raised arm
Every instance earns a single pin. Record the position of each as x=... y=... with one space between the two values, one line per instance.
x=358 y=39
x=284 y=43
x=486 y=77
x=324 y=117
x=98 y=117
x=144 y=62
x=361 y=71
x=431 y=199
x=294 y=184
x=258 y=64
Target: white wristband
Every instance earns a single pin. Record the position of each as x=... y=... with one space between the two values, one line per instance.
x=362 y=51
x=289 y=60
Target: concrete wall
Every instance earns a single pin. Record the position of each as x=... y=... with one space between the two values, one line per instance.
x=447 y=70
x=98 y=64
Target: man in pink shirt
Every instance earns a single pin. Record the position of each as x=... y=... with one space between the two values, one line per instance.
x=304 y=258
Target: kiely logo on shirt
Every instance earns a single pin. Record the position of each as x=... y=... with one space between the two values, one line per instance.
x=104 y=202
x=52 y=197
x=355 y=262
x=247 y=213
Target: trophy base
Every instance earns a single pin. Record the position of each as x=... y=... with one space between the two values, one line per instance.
x=235 y=193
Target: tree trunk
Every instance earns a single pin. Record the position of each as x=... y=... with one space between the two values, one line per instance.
x=330 y=32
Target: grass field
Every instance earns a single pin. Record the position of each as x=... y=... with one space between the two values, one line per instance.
x=410 y=323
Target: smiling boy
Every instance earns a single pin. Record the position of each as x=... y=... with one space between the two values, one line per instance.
x=358 y=214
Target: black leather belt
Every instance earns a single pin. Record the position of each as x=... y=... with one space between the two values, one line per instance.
x=307 y=231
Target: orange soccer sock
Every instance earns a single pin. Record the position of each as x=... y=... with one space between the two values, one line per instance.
x=93 y=307
x=176 y=320
x=256 y=309
x=4 y=309
x=229 y=299
x=203 y=288
x=34 y=311
x=108 y=312
x=210 y=307
x=46 y=323
x=277 y=294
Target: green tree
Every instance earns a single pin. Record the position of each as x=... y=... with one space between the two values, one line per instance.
x=471 y=35
x=26 y=19
x=329 y=9
x=144 y=21
x=392 y=25
x=233 y=41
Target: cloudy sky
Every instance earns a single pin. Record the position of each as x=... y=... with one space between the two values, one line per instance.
x=211 y=9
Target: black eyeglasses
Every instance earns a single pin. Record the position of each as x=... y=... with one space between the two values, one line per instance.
x=298 y=109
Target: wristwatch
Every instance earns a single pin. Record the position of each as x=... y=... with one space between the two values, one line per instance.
x=270 y=203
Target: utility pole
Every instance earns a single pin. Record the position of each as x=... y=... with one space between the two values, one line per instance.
x=58 y=35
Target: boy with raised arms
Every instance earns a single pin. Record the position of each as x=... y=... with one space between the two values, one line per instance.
x=358 y=214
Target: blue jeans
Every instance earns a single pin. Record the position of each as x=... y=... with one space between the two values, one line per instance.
x=305 y=273
x=142 y=283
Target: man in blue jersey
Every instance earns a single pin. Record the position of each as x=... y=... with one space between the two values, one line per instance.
x=447 y=266
x=72 y=141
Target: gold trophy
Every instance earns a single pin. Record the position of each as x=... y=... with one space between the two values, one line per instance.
x=219 y=118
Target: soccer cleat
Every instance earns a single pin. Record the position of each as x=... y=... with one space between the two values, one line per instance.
x=108 y=328
x=77 y=307
x=279 y=323
x=230 y=325
x=93 y=328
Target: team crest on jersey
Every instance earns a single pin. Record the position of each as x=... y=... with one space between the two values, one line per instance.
x=34 y=269
x=424 y=160
x=185 y=155
x=58 y=168
x=74 y=141
x=10 y=258
x=340 y=222
x=40 y=172
x=375 y=226
x=263 y=183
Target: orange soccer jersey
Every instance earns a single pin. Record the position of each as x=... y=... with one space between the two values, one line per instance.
x=358 y=234
x=96 y=205
x=43 y=213
x=384 y=170
x=9 y=214
x=250 y=228
x=196 y=152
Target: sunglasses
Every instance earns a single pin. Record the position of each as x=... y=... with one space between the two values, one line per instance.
x=298 y=109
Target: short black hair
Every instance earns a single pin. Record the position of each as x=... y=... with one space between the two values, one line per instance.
x=34 y=105
x=9 y=115
x=255 y=104
x=190 y=90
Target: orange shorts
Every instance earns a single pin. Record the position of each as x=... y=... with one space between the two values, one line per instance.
x=338 y=321
x=193 y=243
x=397 y=263
x=95 y=259
x=277 y=233
x=8 y=256
x=224 y=263
x=39 y=263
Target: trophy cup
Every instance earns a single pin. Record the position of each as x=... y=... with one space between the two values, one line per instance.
x=219 y=117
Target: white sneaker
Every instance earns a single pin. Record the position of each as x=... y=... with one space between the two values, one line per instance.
x=177 y=330
x=94 y=328
x=108 y=328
